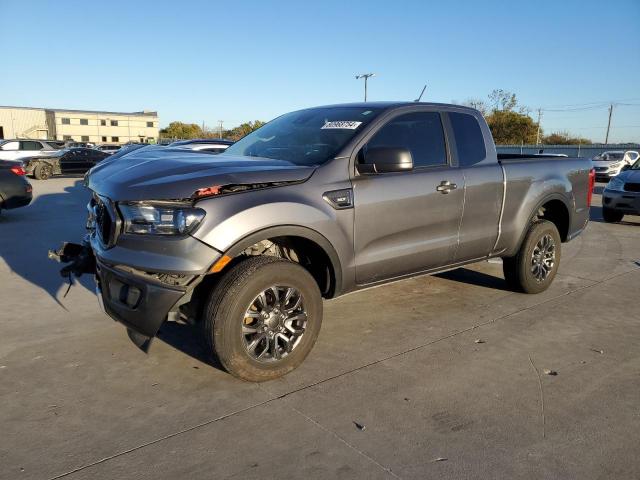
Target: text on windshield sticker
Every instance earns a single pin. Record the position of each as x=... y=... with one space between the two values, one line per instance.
x=343 y=124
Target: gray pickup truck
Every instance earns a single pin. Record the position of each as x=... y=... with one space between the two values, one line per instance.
x=315 y=204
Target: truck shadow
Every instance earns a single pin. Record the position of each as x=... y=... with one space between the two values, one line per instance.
x=188 y=340
x=473 y=277
x=27 y=234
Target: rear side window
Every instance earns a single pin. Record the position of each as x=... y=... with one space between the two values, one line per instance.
x=420 y=132
x=469 y=139
x=30 y=146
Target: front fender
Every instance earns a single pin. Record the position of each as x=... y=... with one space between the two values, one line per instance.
x=296 y=210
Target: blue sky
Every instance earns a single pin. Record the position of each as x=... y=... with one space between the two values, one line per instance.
x=237 y=61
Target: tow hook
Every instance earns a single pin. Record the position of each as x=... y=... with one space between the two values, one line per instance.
x=79 y=258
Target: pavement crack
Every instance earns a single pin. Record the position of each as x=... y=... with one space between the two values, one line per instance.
x=345 y=442
x=535 y=369
x=333 y=377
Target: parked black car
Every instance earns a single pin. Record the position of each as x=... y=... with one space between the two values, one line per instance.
x=70 y=160
x=15 y=190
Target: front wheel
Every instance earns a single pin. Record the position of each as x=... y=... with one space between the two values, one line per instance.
x=611 y=216
x=263 y=318
x=535 y=265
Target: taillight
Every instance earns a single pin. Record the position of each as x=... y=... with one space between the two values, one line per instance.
x=592 y=183
x=18 y=170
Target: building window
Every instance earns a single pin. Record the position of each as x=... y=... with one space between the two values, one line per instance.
x=114 y=123
x=66 y=137
x=103 y=123
x=150 y=124
x=85 y=138
x=115 y=139
x=104 y=139
x=66 y=121
x=84 y=121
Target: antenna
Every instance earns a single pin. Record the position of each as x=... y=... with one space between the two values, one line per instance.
x=421 y=93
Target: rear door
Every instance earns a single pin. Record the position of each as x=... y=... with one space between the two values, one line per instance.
x=483 y=186
x=73 y=161
x=403 y=223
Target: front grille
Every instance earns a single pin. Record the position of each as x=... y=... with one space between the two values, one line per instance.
x=601 y=169
x=102 y=219
x=632 y=187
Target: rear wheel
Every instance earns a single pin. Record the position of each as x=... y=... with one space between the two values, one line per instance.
x=263 y=318
x=43 y=171
x=535 y=265
x=610 y=215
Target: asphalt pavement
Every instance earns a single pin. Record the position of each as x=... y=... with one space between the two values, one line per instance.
x=434 y=377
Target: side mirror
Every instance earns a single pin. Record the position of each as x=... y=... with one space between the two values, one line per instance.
x=386 y=160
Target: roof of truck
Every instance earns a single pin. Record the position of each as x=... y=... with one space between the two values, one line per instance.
x=387 y=105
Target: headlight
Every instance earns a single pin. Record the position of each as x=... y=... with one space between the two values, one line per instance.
x=615 y=184
x=150 y=219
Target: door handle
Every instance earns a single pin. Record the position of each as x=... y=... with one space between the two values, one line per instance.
x=446 y=186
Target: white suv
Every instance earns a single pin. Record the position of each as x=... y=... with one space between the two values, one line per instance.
x=21 y=149
x=609 y=164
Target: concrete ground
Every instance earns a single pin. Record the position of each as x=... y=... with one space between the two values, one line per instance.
x=433 y=377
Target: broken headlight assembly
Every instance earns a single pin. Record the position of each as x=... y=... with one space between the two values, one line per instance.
x=158 y=219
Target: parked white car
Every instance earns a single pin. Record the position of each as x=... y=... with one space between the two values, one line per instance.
x=609 y=164
x=21 y=149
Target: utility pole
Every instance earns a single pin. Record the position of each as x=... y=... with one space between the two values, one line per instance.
x=538 y=134
x=606 y=140
x=220 y=122
x=366 y=77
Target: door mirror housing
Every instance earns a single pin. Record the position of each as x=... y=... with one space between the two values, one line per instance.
x=385 y=160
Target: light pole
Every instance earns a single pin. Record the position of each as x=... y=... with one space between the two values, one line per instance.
x=366 y=77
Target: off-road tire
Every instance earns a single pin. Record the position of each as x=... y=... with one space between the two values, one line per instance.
x=228 y=302
x=611 y=216
x=518 y=269
x=43 y=171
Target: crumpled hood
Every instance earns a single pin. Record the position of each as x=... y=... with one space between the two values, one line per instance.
x=172 y=173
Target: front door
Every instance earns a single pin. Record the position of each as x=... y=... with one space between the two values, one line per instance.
x=406 y=222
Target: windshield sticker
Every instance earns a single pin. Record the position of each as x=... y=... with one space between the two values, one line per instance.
x=342 y=124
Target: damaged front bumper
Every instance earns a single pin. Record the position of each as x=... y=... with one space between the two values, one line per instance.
x=140 y=305
x=139 y=300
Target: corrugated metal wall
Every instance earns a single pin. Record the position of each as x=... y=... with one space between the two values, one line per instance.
x=589 y=151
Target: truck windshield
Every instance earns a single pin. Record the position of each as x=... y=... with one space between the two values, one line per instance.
x=306 y=137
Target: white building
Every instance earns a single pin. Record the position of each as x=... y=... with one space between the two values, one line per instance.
x=78 y=125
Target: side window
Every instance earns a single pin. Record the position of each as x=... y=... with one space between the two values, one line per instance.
x=30 y=146
x=419 y=132
x=469 y=139
x=11 y=146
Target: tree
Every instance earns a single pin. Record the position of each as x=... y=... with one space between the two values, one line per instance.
x=240 y=131
x=502 y=100
x=563 y=138
x=182 y=131
x=509 y=127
